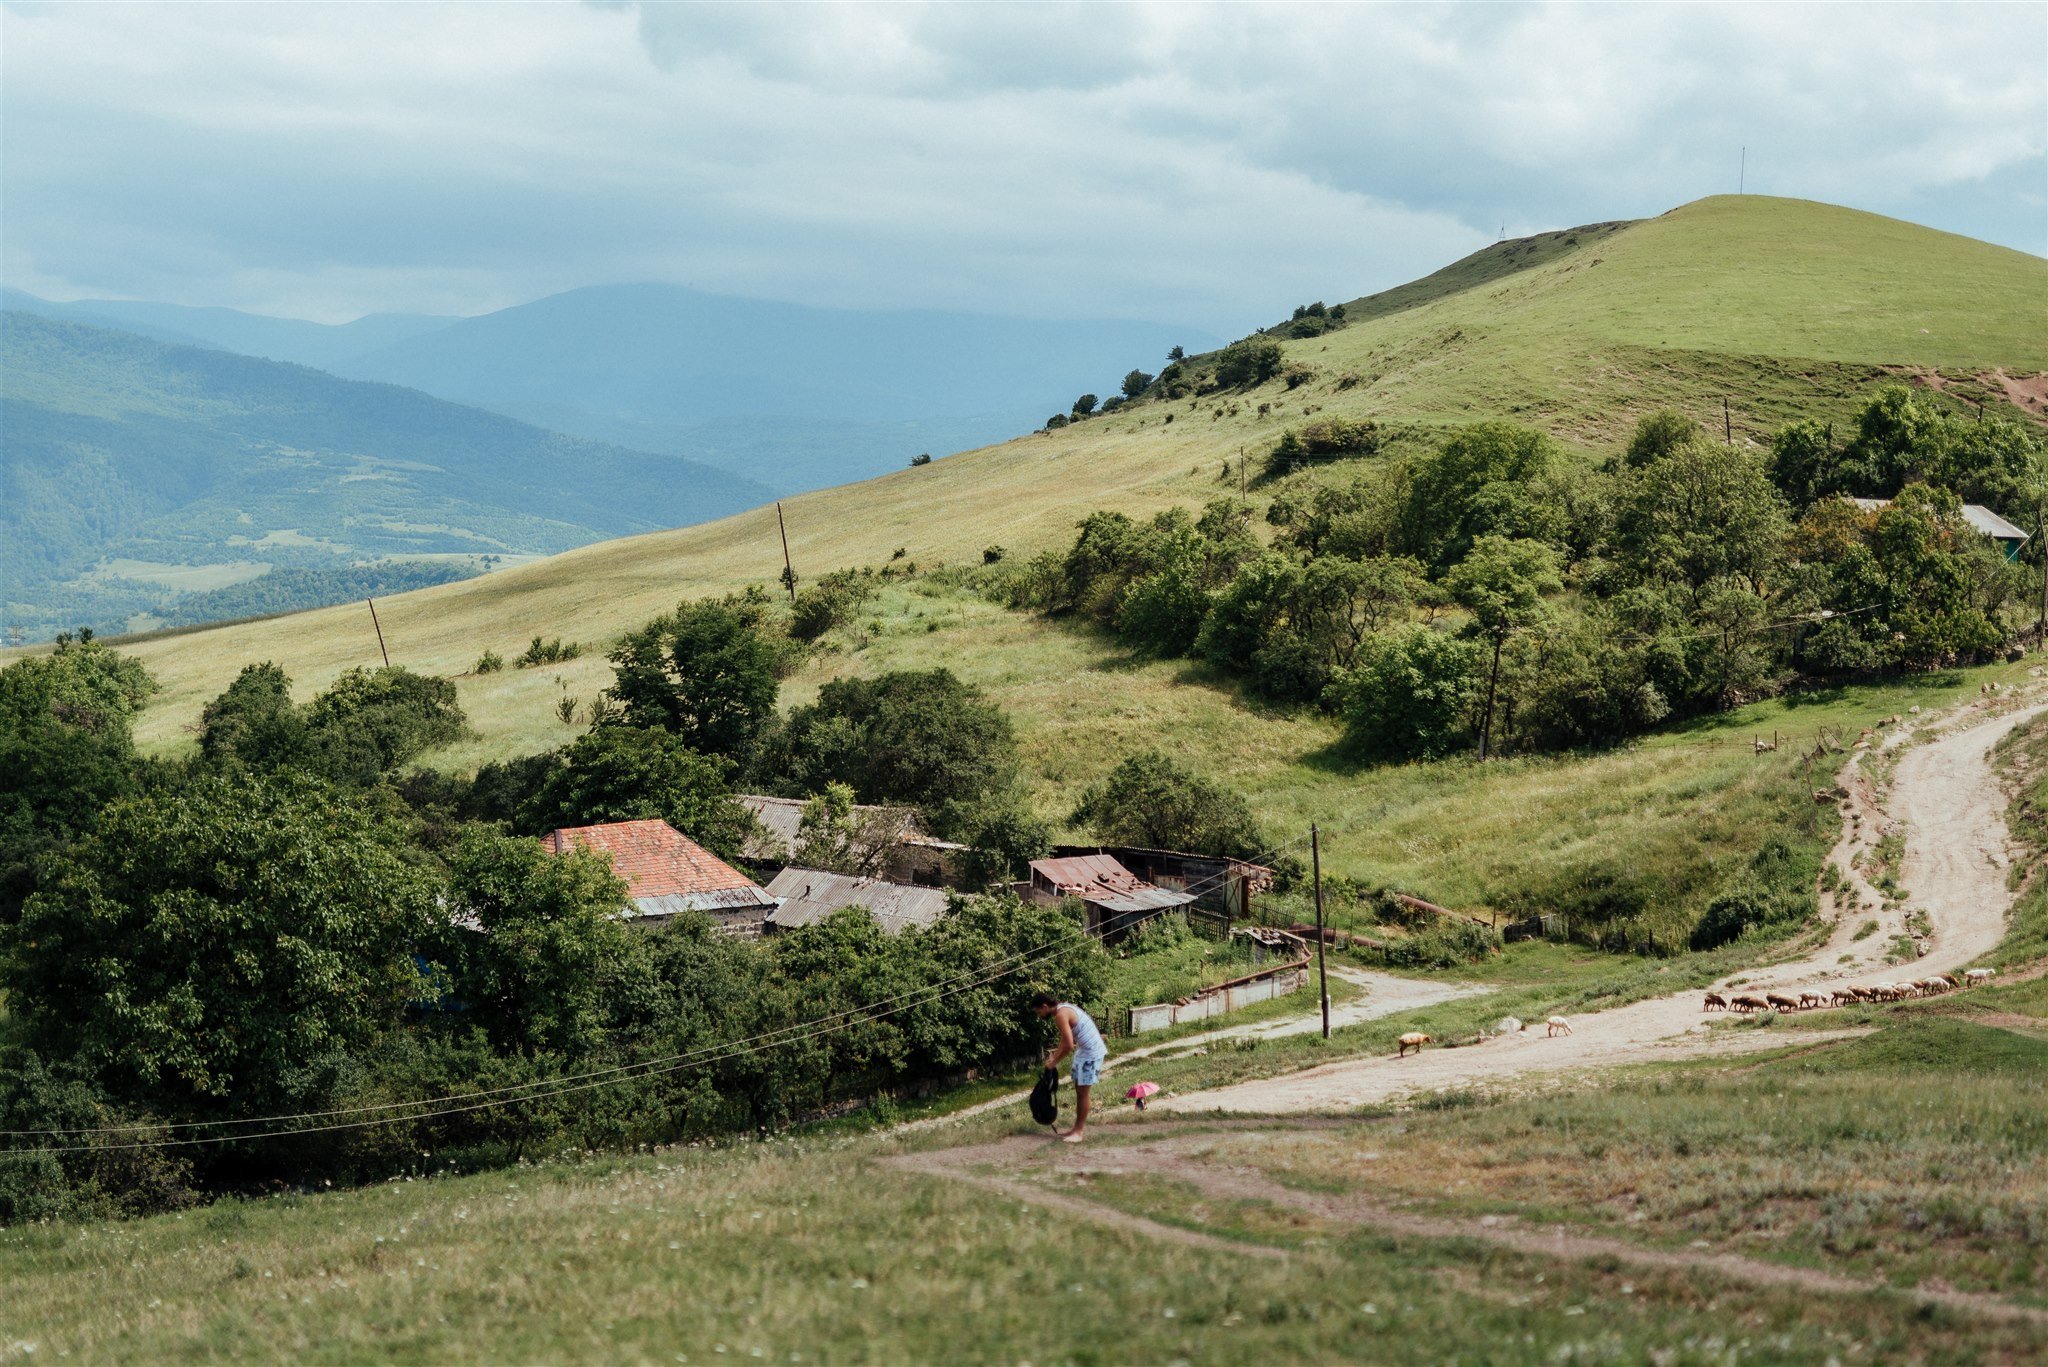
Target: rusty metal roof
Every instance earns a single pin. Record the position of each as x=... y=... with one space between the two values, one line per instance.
x=780 y=817
x=1100 y=879
x=809 y=895
x=665 y=871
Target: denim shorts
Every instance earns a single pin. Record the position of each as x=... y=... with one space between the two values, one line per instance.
x=1087 y=1068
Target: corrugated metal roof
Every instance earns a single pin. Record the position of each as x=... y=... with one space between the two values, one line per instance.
x=780 y=818
x=665 y=871
x=1100 y=879
x=809 y=895
x=1976 y=514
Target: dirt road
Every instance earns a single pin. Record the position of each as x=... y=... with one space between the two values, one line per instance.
x=1952 y=810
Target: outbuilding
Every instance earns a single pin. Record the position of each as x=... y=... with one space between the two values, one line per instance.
x=1117 y=899
x=810 y=895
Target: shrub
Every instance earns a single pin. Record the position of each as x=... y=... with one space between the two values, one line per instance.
x=1084 y=405
x=833 y=601
x=1056 y=421
x=1135 y=383
x=490 y=662
x=1409 y=696
x=992 y=554
x=1298 y=375
x=543 y=652
x=1449 y=942
x=921 y=458
x=1253 y=360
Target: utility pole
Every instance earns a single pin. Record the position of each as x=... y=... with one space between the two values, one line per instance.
x=2041 y=626
x=380 y=632
x=1742 y=171
x=1727 y=422
x=1240 y=475
x=1315 y=847
x=788 y=570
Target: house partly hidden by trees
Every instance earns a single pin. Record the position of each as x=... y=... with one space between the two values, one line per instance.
x=872 y=841
x=807 y=896
x=667 y=873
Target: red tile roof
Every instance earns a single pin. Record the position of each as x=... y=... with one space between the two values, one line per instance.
x=664 y=869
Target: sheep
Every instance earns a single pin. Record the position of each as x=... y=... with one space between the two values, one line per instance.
x=1777 y=1001
x=1930 y=987
x=1746 y=1004
x=1808 y=1000
x=1972 y=977
x=1714 y=1002
x=1558 y=1025
x=1947 y=981
x=1414 y=1039
x=1851 y=993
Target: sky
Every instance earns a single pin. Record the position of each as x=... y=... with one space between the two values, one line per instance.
x=1202 y=165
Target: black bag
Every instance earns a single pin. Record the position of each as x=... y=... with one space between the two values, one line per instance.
x=1045 y=1097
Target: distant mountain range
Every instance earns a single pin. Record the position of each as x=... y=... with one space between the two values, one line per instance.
x=138 y=476
x=788 y=396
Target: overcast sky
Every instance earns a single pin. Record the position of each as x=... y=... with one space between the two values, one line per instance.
x=1199 y=165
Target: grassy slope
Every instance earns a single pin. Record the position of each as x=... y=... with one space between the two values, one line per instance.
x=1577 y=347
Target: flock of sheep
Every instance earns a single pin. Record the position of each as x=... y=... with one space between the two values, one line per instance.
x=1750 y=1002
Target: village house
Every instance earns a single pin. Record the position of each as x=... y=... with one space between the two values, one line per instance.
x=666 y=872
x=1980 y=518
x=896 y=849
x=1117 y=900
x=1223 y=888
x=810 y=895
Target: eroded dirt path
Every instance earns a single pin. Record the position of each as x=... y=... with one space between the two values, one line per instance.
x=1037 y=1172
x=1947 y=800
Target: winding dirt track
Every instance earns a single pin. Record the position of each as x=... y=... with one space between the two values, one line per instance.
x=1953 y=812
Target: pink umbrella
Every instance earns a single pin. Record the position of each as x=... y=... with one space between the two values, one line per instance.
x=1141 y=1091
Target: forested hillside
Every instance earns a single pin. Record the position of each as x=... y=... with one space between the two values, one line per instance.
x=137 y=471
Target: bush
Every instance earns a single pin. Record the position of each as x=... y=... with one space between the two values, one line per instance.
x=1451 y=941
x=625 y=773
x=921 y=458
x=1135 y=383
x=548 y=652
x=1084 y=405
x=1056 y=422
x=833 y=601
x=490 y=662
x=992 y=554
x=1251 y=361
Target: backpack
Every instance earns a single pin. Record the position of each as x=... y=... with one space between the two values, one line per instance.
x=1045 y=1097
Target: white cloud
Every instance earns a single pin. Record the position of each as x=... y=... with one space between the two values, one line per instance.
x=1209 y=164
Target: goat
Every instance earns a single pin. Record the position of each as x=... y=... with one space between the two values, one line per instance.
x=1714 y=1002
x=1975 y=976
x=1414 y=1039
x=1558 y=1025
x=1777 y=1001
x=1746 y=1004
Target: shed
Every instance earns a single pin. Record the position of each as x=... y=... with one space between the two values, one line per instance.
x=1117 y=899
x=1980 y=518
x=905 y=854
x=809 y=895
x=1222 y=888
x=666 y=872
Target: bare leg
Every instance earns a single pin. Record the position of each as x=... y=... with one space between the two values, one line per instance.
x=1073 y=1136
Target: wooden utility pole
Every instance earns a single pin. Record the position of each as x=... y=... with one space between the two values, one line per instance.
x=1742 y=170
x=380 y=632
x=1240 y=474
x=1315 y=848
x=788 y=570
x=1727 y=422
x=2041 y=626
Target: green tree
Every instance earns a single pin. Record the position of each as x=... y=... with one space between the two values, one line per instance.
x=221 y=941
x=622 y=773
x=1085 y=405
x=1501 y=582
x=535 y=941
x=1658 y=435
x=1151 y=800
x=917 y=737
x=371 y=721
x=1410 y=695
x=1136 y=382
x=1489 y=479
x=838 y=835
x=706 y=672
x=254 y=721
x=1700 y=513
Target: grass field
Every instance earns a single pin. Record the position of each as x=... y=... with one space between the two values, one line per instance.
x=1789 y=308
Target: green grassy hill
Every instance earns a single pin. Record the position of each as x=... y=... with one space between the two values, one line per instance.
x=1788 y=308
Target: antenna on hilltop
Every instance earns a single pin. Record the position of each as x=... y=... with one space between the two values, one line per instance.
x=1742 y=170
x=1503 y=232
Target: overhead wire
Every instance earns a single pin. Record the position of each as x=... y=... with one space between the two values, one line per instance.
x=428 y=1108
